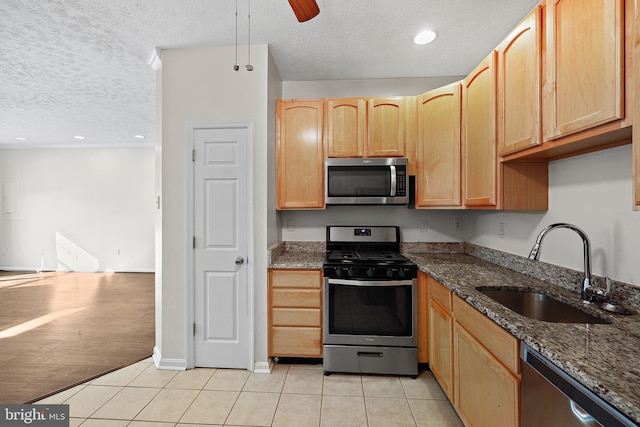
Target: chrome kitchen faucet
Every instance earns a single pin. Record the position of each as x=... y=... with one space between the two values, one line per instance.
x=590 y=293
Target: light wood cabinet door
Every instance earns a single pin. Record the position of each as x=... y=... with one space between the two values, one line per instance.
x=441 y=346
x=439 y=176
x=519 y=83
x=300 y=154
x=479 y=136
x=423 y=319
x=636 y=114
x=411 y=134
x=486 y=393
x=584 y=62
x=504 y=346
x=346 y=127
x=386 y=127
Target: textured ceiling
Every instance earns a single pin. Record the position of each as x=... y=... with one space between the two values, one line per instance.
x=80 y=67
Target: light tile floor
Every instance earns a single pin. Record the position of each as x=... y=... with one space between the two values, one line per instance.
x=139 y=395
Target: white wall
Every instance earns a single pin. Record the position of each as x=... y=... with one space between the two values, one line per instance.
x=274 y=233
x=363 y=88
x=592 y=191
x=78 y=209
x=199 y=85
x=311 y=225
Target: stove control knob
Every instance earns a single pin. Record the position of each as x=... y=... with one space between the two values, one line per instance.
x=401 y=272
x=389 y=273
x=370 y=272
x=338 y=272
x=350 y=271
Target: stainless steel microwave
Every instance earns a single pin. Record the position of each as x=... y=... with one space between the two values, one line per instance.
x=367 y=181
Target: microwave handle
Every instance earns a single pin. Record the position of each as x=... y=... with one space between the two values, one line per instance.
x=393 y=181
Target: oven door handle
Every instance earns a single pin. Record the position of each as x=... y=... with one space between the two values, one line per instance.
x=370 y=282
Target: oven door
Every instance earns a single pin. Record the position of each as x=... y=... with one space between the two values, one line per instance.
x=370 y=312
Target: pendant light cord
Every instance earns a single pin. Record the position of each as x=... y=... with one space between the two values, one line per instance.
x=249 y=22
x=236 y=66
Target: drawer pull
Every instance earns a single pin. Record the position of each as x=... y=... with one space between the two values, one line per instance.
x=369 y=354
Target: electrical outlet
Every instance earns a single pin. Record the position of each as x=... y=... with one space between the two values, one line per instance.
x=423 y=226
x=291 y=225
x=501 y=227
x=457 y=224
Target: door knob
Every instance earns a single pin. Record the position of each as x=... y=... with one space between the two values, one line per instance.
x=239 y=260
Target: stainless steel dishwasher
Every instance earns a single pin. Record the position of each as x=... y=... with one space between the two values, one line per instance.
x=551 y=398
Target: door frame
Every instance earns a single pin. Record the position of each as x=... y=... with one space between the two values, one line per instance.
x=249 y=261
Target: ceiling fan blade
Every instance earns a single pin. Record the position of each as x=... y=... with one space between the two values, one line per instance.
x=304 y=9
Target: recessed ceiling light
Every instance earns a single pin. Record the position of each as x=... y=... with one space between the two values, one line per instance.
x=21 y=138
x=79 y=137
x=425 y=37
x=139 y=136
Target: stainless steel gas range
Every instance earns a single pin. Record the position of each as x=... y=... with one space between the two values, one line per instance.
x=370 y=302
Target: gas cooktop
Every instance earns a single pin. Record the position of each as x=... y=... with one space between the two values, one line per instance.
x=366 y=252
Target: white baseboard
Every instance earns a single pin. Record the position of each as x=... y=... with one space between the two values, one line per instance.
x=168 y=364
x=263 y=367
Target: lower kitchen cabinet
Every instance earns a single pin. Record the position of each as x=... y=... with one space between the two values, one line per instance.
x=476 y=362
x=486 y=393
x=441 y=336
x=295 y=313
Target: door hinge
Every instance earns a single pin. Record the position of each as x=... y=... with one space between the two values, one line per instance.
x=194 y=329
x=193 y=155
x=194 y=242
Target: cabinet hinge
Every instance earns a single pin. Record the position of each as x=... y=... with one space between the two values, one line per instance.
x=193 y=155
x=194 y=242
x=194 y=329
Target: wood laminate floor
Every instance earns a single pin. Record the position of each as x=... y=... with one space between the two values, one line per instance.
x=61 y=329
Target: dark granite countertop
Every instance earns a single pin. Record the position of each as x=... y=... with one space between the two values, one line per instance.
x=297 y=255
x=603 y=357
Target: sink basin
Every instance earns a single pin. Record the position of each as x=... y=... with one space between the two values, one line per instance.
x=539 y=306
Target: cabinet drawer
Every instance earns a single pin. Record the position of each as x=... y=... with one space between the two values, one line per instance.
x=296 y=298
x=296 y=279
x=296 y=342
x=503 y=345
x=297 y=317
x=439 y=292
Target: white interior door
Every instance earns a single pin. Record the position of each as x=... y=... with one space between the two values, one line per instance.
x=221 y=336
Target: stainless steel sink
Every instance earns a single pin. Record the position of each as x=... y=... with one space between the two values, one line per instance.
x=539 y=306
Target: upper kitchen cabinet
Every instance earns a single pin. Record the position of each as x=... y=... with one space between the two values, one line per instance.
x=587 y=77
x=636 y=114
x=346 y=127
x=438 y=153
x=479 y=135
x=584 y=81
x=489 y=184
x=519 y=69
x=386 y=119
x=300 y=154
